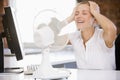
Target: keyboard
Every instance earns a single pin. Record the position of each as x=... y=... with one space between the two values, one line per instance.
x=31 y=69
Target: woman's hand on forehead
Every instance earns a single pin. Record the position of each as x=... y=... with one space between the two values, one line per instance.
x=94 y=7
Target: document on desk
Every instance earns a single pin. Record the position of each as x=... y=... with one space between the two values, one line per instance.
x=30 y=51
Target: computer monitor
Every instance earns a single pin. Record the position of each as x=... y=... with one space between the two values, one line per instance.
x=11 y=32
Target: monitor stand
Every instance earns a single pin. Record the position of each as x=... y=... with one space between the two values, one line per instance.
x=1 y=55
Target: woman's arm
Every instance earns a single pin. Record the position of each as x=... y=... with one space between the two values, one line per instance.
x=107 y=25
x=71 y=17
x=68 y=20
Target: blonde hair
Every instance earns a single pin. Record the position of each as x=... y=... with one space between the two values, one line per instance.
x=87 y=2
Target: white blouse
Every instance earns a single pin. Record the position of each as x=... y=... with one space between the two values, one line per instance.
x=96 y=55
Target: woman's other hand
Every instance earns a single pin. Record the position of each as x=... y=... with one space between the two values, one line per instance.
x=94 y=7
x=72 y=16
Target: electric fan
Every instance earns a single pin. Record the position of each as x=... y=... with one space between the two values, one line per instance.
x=46 y=28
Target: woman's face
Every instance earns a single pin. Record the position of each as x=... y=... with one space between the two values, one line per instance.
x=83 y=17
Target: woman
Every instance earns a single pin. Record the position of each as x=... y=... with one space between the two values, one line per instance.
x=93 y=46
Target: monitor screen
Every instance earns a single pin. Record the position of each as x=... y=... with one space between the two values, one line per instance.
x=11 y=33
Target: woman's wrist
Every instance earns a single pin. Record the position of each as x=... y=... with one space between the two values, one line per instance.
x=69 y=19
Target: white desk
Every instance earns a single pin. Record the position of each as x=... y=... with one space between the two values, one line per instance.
x=89 y=75
x=12 y=74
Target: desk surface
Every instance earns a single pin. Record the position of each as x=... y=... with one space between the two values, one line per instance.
x=78 y=74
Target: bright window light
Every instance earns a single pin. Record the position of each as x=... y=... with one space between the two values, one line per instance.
x=27 y=9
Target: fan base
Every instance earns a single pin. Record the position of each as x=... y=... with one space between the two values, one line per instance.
x=53 y=73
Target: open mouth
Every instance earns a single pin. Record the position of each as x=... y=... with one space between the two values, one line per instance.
x=80 y=21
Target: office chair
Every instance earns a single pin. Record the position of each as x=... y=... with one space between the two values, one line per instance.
x=117 y=52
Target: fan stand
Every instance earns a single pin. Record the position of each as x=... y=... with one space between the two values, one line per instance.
x=46 y=71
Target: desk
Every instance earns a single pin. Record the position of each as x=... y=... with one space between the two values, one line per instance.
x=12 y=74
x=78 y=74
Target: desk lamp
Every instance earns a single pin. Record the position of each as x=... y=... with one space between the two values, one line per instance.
x=46 y=37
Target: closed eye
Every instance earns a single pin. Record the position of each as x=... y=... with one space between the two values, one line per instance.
x=76 y=13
